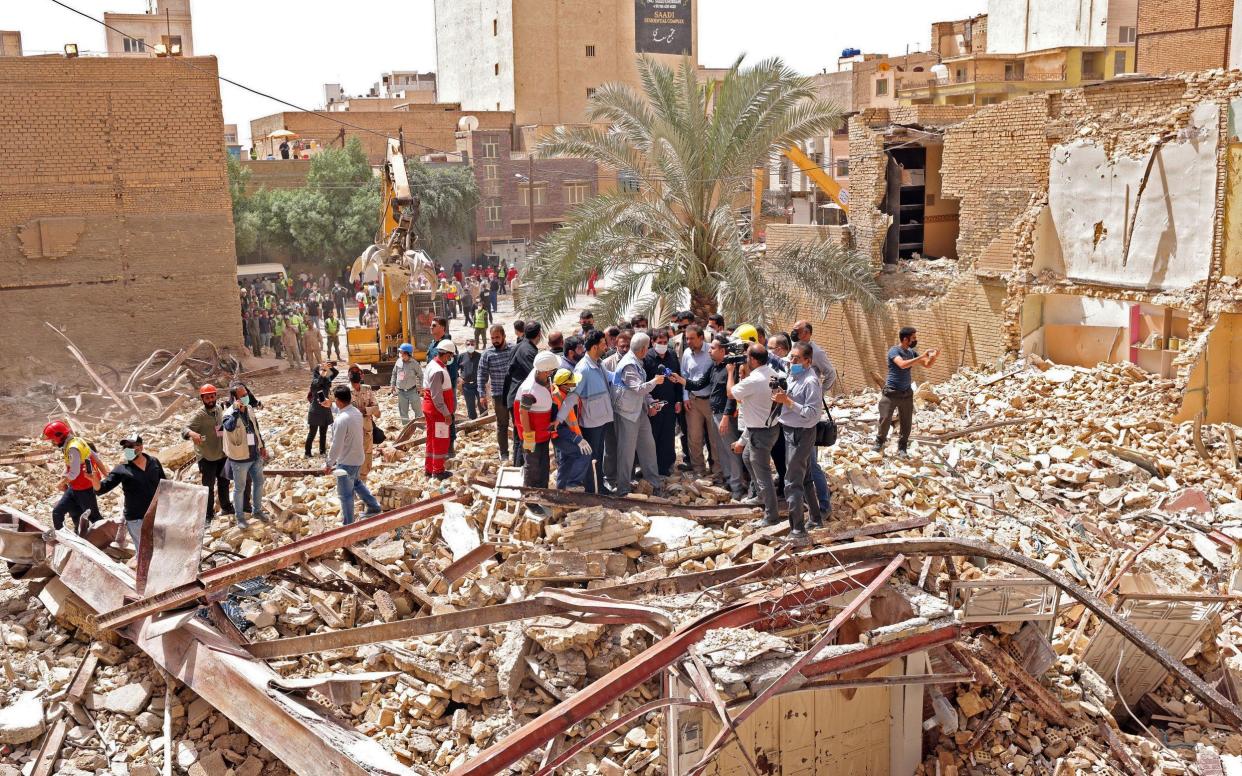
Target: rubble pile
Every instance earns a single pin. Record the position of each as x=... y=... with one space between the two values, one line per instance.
x=1078 y=469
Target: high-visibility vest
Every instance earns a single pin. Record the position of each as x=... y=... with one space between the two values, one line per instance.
x=83 y=481
x=571 y=419
x=480 y=318
x=333 y=326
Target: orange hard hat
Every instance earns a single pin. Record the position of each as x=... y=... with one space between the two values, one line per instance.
x=207 y=390
x=57 y=431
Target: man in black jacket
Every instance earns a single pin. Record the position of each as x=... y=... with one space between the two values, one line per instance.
x=521 y=365
x=717 y=378
x=138 y=477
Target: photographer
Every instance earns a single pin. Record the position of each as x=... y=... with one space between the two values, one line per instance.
x=753 y=394
x=712 y=386
x=898 y=392
x=319 y=417
x=801 y=408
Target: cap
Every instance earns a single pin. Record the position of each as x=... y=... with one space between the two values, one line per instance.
x=131 y=438
x=547 y=361
x=565 y=377
x=406 y=348
x=446 y=346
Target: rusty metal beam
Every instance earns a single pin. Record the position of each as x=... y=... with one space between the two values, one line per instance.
x=647 y=664
x=291 y=554
x=883 y=548
x=882 y=653
x=295 y=732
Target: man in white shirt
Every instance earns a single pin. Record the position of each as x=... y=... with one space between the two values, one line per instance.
x=753 y=395
x=347 y=455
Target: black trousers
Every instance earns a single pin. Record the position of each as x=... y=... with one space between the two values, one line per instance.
x=213 y=478
x=903 y=403
x=323 y=438
x=536 y=470
x=76 y=503
x=664 y=432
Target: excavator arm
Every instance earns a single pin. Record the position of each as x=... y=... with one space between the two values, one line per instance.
x=826 y=183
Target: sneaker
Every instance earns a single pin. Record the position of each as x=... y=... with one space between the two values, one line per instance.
x=768 y=522
x=798 y=538
x=262 y=517
x=903 y=452
x=241 y=523
x=751 y=501
x=372 y=513
x=814 y=525
x=503 y=457
x=878 y=447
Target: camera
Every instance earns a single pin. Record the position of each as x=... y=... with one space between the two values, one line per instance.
x=778 y=383
x=736 y=352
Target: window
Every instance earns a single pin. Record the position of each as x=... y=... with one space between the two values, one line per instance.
x=495 y=27
x=590 y=51
x=628 y=181
x=590 y=92
x=843 y=168
x=172 y=43
x=541 y=194
x=491 y=150
x=1119 y=62
x=959 y=75
x=496 y=68
x=989 y=100
x=492 y=211
x=134 y=45
x=576 y=193
x=881 y=87
x=1126 y=34
x=491 y=172
x=1015 y=71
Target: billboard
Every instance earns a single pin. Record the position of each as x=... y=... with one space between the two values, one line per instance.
x=663 y=26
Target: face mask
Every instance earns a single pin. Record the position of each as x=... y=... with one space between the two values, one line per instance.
x=355 y=377
x=246 y=400
x=796 y=369
x=449 y=360
x=129 y=454
x=660 y=349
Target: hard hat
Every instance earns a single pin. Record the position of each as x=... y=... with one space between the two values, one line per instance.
x=406 y=348
x=746 y=332
x=547 y=361
x=207 y=390
x=131 y=439
x=565 y=377
x=57 y=431
x=446 y=346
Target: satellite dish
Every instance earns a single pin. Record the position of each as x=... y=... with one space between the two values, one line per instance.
x=467 y=124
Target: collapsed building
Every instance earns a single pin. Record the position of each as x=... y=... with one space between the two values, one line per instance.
x=1084 y=226
x=1043 y=587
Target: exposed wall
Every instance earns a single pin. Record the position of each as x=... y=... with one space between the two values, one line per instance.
x=1182 y=35
x=276 y=173
x=115 y=219
x=1029 y=25
x=467 y=53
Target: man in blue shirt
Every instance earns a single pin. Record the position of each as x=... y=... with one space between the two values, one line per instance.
x=898 y=393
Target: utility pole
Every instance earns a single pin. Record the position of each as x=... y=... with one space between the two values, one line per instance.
x=530 y=196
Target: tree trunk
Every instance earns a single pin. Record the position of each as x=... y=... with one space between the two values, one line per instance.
x=702 y=305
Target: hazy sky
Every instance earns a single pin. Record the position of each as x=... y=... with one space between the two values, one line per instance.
x=290 y=49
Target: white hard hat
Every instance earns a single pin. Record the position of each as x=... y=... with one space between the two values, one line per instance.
x=547 y=361
x=446 y=346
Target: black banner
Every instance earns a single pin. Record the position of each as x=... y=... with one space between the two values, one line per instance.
x=663 y=27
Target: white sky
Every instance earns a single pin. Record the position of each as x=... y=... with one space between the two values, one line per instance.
x=290 y=49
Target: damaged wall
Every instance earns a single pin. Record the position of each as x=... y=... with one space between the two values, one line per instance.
x=115 y=215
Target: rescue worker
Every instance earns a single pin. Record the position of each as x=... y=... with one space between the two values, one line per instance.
x=205 y=432
x=363 y=398
x=482 y=319
x=82 y=474
x=532 y=407
x=573 y=453
x=438 y=406
x=407 y=381
x=139 y=478
x=289 y=343
x=332 y=328
x=246 y=450
x=278 y=335
x=312 y=344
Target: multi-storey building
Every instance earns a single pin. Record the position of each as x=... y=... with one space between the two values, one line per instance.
x=164 y=29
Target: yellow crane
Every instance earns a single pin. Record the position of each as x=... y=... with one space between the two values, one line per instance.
x=405 y=276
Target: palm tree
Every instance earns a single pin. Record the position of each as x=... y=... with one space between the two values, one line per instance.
x=676 y=236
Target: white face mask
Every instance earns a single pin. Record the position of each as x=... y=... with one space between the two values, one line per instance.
x=660 y=349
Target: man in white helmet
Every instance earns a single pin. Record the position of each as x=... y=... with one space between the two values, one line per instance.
x=532 y=410
x=438 y=407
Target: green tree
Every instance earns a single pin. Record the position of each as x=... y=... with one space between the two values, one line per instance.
x=691 y=150
x=447 y=198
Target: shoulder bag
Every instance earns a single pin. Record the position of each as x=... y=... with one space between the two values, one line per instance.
x=826 y=429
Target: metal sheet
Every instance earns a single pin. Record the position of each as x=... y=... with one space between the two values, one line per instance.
x=174 y=535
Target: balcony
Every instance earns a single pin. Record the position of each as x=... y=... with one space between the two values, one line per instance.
x=1093 y=75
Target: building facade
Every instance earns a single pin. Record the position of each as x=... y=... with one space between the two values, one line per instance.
x=102 y=231
x=166 y=23
x=10 y=43
x=1015 y=26
x=393 y=91
x=543 y=59
x=1183 y=35
x=512 y=185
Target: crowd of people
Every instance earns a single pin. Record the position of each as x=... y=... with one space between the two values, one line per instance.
x=742 y=407
x=295 y=318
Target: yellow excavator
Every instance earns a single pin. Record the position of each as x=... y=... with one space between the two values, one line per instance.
x=822 y=179
x=405 y=276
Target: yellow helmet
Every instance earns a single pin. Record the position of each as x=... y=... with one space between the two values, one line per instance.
x=565 y=377
x=746 y=332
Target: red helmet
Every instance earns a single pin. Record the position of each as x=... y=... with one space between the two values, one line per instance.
x=207 y=390
x=57 y=431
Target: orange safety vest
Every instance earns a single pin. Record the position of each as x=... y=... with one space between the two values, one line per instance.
x=571 y=419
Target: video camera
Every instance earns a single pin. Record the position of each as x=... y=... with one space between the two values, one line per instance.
x=736 y=352
x=778 y=383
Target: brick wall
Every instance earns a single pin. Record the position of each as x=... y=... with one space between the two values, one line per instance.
x=1183 y=35
x=426 y=128
x=115 y=220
